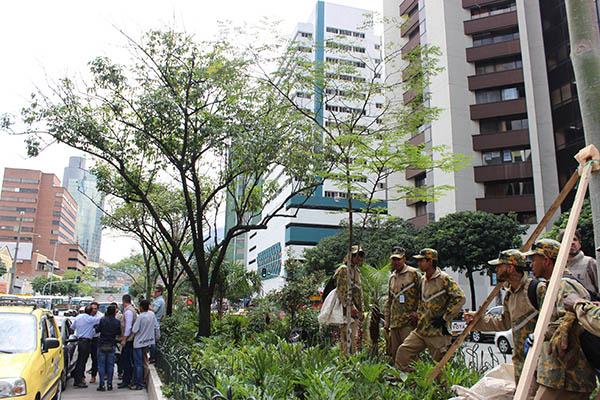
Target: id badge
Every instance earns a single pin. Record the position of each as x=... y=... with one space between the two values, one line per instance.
x=401 y=299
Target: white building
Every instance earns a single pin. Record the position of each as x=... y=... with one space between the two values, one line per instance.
x=330 y=28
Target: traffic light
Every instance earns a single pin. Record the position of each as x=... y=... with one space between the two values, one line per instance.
x=263 y=272
x=78 y=279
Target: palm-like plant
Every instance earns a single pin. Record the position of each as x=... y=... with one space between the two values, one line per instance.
x=374 y=284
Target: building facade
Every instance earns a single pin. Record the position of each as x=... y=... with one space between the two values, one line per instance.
x=334 y=35
x=82 y=186
x=508 y=100
x=41 y=216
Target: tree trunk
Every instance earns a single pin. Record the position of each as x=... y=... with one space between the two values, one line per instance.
x=220 y=307
x=350 y=267
x=170 y=295
x=203 y=316
x=582 y=16
x=472 y=286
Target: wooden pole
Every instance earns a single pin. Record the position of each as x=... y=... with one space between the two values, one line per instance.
x=552 y=291
x=480 y=313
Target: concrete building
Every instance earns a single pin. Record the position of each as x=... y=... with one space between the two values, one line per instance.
x=330 y=28
x=40 y=215
x=82 y=186
x=508 y=101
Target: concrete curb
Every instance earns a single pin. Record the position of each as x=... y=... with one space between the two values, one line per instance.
x=154 y=384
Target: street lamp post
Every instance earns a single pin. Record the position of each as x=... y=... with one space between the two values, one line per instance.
x=13 y=270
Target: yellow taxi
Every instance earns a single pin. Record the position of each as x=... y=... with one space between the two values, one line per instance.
x=31 y=356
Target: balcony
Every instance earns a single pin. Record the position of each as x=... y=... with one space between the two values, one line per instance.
x=411 y=202
x=421 y=220
x=408 y=5
x=417 y=139
x=503 y=172
x=506 y=204
x=491 y=23
x=496 y=79
x=411 y=45
x=501 y=140
x=411 y=173
x=478 y=3
x=409 y=96
x=410 y=24
x=496 y=50
x=498 y=109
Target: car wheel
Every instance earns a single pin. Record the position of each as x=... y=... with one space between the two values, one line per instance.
x=476 y=336
x=64 y=378
x=504 y=345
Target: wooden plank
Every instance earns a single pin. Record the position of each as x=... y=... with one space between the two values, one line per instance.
x=557 y=202
x=480 y=313
x=552 y=291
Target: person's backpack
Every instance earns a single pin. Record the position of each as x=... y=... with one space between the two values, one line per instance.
x=331 y=284
x=590 y=343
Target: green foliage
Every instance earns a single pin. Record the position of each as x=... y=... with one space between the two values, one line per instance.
x=235 y=283
x=376 y=239
x=58 y=286
x=585 y=226
x=467 y=240
x=374 y=284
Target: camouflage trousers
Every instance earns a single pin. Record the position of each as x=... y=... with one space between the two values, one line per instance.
x=395 y=338
x=546 y=393
x=414 y=344
x=355 y=326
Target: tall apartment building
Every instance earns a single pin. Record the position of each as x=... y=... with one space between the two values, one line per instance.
x=82 y=186
x=508 y=97
x=331 y=27
x=47 y=215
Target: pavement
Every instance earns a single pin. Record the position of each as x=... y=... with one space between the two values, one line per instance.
x=73 y=393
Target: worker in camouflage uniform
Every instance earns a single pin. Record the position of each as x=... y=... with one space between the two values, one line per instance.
x=588 y=313
x=346 y=277
x=560 y=377
x=404 y=293
x=518 y=314
x=441 y=301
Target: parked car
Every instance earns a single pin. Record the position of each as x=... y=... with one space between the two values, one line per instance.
x=482 y=336
x=504 y=341
x=69 y=345
x=31 y=358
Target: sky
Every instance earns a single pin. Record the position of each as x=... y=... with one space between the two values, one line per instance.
x=44 y=40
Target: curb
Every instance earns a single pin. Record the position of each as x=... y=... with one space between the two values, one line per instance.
x=154 y=384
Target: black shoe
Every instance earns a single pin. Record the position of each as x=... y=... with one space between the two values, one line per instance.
x=123 y=385
x=101 y=388
x=109 y=387
x=80 y=385
x=136 y=387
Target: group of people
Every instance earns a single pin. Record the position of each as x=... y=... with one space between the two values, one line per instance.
x=134 y=331
x=422 y=303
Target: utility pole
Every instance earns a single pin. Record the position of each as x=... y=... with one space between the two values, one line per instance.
x=13 y=270
x=584 y=33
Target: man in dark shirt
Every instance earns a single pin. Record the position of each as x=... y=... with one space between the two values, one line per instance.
x=109 y=328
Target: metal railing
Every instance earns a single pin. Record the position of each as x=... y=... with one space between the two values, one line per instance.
x=186 y=381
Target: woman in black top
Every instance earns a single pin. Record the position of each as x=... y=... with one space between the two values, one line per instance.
x=109 y=328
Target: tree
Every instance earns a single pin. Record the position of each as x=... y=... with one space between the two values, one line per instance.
x=298 y=288
x=377 y=240
x=467 y=240
x=65 y=286
x=193 y=115
x=584 y=33
x=585 y=227
x=235 y=284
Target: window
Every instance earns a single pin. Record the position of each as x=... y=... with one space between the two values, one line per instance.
x=527 y=217
x=506 y=156
x=483 y=12
x=488 y=68
x=502 y=125
x=306 y=35
x=421 y=209
x=21 y=180
x=563 y=94
x=377 y=46
x=489 y=38
x=18 y=199
x=303 y=95
x=358 y=64
x=345 y=32
x=420 y=181
x=495 y=95
x=305 y=49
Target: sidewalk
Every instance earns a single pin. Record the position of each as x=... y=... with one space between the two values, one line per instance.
x=73 y=393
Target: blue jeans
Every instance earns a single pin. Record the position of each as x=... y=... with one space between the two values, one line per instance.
x=138 y=365
x=106 y=366
x=126 y=361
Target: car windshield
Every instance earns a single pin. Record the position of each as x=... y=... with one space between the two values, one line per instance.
x=17 y=333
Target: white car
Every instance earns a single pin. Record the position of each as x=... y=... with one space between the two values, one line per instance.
x=478 y=336
x=504 y=341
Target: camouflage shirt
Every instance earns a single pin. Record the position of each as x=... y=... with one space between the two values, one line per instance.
x=519 y=315
x=440 y=297
x=342 y=283
x=552 y=372
x=588 y=314
x=404 y=292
